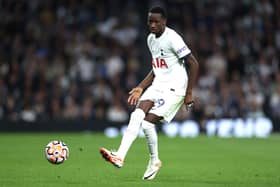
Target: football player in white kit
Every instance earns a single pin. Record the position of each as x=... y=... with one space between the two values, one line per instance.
x=168 y=85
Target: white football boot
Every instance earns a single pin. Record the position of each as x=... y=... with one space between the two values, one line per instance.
x=111 y=157
x=152 y=170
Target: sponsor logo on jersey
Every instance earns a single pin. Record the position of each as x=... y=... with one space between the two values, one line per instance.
x=159 y=63
x=181 y=50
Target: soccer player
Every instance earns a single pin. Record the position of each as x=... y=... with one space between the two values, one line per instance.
x=168 y=85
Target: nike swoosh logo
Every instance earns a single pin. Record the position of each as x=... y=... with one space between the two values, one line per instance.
x=150 y=175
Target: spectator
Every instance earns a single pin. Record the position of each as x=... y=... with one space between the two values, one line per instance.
x=71 y=109
x=117 y=112
x=52 y=52
x=55 y=109
x=87 y=110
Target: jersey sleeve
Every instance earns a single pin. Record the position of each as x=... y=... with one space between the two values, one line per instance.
x=178 y=45
x=149 y=38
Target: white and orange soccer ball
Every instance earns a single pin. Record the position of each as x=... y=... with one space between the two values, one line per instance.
x=56 y=152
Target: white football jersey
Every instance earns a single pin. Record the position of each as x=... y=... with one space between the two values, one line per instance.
x=167 y=51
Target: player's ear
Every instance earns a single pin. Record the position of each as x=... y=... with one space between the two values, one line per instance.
x=164 y=22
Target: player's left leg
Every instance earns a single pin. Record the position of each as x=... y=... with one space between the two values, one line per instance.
x=150 y=132
x=165 y=109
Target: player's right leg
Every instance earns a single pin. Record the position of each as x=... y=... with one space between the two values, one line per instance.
x=132 y=131
x=110 y=156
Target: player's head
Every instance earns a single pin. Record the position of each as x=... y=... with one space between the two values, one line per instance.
x=157 y=20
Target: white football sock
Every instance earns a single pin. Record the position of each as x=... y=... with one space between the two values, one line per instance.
x=152 y=140
x=131 y=132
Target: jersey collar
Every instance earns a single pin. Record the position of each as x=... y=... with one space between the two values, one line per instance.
x=161 y=36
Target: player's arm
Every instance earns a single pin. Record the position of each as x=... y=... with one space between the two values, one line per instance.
x=136 y=92
x=192 y=66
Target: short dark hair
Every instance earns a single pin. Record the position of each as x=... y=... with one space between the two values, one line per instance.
x=159 y=10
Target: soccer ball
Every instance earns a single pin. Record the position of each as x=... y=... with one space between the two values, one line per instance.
x=56 y=152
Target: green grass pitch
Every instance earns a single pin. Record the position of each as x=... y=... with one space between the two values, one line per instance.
x=197 y=162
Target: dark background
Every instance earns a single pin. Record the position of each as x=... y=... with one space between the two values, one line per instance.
x=70 y=64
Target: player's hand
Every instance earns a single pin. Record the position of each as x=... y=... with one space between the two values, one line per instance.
x=189 y=102
x=135 y=94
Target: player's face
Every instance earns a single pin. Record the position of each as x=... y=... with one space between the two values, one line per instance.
x=156 y=23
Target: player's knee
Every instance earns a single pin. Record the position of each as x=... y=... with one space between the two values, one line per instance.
x=147 y=125
x=136 y=119
x=137 y=115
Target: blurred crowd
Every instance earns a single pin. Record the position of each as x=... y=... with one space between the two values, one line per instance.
x=72 y=59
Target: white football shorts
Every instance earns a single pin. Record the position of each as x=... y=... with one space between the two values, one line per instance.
x=166 y=102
